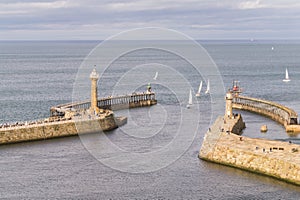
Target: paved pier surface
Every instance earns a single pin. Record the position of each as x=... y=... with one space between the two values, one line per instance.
x=270 y=148
x=59 y=129
x=273 y=158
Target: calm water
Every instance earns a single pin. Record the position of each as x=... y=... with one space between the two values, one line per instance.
x=37 y=75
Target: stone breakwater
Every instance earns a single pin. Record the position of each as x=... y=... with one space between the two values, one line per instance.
x=280 y=113
x=273 y=158
x=60 y=128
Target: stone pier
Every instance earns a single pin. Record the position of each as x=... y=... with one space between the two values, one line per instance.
x=77 y=118
x=278 y=159
x=280 y=113
x=62 y=128
x=222 y=144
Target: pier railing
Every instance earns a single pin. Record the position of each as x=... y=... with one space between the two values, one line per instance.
x=277 y=112
x=57 y=113
x=112 y=103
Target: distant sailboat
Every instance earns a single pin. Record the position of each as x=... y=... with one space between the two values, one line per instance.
x=199 y=90
x=190 y=100
x=287 y=79
x=208 y=87
x=155 y=77
x=272 y=48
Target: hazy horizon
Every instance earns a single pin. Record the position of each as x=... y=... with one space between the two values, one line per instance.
x=201 y=20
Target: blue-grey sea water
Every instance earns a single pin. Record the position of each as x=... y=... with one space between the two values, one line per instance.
x=37 y=75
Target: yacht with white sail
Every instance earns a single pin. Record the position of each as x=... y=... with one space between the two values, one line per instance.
x=287 y=78
x=190 y=100
x=199 y=90
x=208 y=87
x=155 y=77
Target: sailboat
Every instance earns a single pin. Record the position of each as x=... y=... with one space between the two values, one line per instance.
x=155 y=77
x=287 y=79
x=190 y=100
x=199 y=90
x=208 y=87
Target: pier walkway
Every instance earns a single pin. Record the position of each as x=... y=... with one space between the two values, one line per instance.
x=282 y=114
x=112 y=103
x=57 y=113
x=76 y=118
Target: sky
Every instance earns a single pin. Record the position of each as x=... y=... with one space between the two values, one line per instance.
x=100 y=19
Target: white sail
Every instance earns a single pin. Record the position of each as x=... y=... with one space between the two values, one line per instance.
x=286 y=76
x=208 y=87
x=199 y=90
x=190 y=99
x=155 y=77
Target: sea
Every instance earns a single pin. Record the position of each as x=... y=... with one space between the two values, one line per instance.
x=155 y=155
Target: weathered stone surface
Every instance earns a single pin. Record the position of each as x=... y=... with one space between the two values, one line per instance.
x=274 y=158
x=280 y=113
x=58 y=129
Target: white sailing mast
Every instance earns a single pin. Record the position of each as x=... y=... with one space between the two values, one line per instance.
x=190 y=99
x=208 y=87
x=199 y=90
x=155 y=77
x=287 y=78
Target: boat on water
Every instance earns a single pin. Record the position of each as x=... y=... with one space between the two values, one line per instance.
x=155 y=77
x=199 y=90
x=190 y=100
x=287 y=78
x=235 y=90
x=208 y=87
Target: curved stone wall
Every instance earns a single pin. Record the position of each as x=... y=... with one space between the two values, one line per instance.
x=275 y=111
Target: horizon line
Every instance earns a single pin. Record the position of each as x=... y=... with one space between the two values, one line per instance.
x=50 y=40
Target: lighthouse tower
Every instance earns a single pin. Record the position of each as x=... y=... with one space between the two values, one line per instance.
x=94 y=76
x=228 y=110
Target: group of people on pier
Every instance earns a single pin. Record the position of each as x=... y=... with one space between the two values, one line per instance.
x=20 y=124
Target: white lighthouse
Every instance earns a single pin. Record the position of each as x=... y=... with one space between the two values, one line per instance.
x=94 y=76
x=228 y=110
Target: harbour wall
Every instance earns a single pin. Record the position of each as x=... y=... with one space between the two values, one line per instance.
x=74 y=118
x=59 y=129
x=282 y=114
x=112 y=103
x=293 y=130
x=273 y=158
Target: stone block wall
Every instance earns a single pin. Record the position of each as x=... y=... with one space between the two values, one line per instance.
x=248 y=160
x=56 y=129
x=273 y=158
